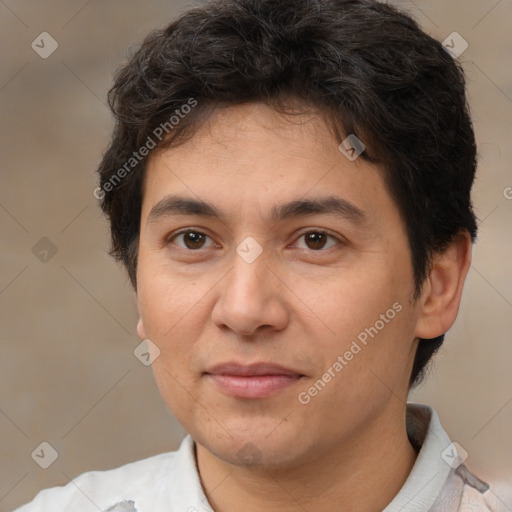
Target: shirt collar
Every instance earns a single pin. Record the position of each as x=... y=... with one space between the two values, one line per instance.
x=430 y=471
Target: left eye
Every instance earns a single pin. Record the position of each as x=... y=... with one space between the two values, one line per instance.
x=316 y=240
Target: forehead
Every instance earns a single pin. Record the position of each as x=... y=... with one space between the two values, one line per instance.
x=252 y=155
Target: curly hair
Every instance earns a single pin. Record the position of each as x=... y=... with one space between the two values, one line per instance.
x=367 y=66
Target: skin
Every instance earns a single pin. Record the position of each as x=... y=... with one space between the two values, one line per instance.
x=298 y=304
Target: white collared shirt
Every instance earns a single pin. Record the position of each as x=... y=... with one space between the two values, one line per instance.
x=170 y=482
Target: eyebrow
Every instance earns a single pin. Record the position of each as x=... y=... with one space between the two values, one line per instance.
x=329 y=205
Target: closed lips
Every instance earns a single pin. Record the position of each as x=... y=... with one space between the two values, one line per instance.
x=255 y=381
x=252 y=370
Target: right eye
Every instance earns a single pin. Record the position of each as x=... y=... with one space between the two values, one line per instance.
x=192 y=239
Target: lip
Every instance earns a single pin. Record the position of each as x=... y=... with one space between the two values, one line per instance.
x=258 y=380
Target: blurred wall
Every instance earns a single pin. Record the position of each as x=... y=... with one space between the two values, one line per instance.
x=68 y=375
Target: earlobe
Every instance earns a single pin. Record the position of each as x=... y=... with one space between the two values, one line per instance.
x=442 y=291
x=141 y=332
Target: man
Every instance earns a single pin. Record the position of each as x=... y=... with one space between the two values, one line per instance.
x=288 y=186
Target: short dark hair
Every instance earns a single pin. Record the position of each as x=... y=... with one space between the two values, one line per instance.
x=367 y=66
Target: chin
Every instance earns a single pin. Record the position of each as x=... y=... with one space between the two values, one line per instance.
x=252 y=444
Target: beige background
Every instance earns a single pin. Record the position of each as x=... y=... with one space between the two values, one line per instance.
x=67 y=371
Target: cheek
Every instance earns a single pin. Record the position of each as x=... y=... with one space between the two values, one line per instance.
x=169 y=312
x=164 y=309
x=164 y=299
x=352 y=301
x=364 y=317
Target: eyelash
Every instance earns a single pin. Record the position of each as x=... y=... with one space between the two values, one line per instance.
x=316 y=231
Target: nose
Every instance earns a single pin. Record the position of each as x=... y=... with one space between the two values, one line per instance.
x=251 y=298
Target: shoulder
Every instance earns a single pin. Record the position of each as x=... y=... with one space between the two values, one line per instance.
x=476 y=494
x=99 y=490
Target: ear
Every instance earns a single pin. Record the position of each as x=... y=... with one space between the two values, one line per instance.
x=441 y=293
x=141 y=332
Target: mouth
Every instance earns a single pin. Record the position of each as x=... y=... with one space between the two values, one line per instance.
x=253 y=381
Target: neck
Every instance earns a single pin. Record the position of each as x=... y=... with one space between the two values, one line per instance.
x=363 y=473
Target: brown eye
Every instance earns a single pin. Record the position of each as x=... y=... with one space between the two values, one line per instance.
x=316 y=240
x=192 y=240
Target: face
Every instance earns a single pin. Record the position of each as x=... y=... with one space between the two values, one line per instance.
x=274 y=275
